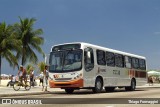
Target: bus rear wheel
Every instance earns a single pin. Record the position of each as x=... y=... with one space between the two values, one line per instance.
x=69 y=90
x=132 y=87
x=98 y=86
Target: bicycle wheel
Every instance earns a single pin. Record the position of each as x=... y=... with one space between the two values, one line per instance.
x=27 y=85
x=16 y=86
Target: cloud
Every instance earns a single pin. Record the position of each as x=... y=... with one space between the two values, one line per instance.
x=157 y=33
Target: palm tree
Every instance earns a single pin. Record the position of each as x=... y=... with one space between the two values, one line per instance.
x=8 y=44
x=29 y=67
x=41 y=66
x=30 y=40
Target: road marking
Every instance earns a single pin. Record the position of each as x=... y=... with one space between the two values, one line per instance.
x=110 y=106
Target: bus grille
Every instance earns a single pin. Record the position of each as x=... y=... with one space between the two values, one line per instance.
x=62 y=84
x=63 y=79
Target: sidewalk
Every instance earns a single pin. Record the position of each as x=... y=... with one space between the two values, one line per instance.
x=152 y=86
x=37 y=90
x=9 y=91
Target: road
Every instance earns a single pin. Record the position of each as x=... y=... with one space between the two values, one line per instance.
x=85 y=98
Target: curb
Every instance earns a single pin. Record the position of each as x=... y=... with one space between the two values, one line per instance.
x=26 y=94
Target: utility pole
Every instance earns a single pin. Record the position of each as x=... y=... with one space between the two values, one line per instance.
x=46 y=59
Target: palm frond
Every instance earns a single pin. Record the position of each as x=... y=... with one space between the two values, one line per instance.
x=30 y=38
x=41 y=66
x=8 y=44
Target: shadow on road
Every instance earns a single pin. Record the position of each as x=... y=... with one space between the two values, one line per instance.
x=86 y=92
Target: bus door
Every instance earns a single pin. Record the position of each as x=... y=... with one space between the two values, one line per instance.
x=89 y=73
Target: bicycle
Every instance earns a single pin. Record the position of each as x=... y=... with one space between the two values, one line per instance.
x=18 y=84
x=32 y=83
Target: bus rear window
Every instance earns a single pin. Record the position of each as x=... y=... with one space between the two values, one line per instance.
x=142 y=64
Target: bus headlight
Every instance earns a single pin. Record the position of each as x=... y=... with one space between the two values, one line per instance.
x=78 y=76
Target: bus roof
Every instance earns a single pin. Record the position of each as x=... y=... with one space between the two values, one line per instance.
x=103 y=48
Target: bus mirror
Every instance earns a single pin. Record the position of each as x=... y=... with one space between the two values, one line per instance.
x=88 y=54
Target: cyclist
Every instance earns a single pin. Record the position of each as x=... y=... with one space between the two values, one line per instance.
x=22 y=74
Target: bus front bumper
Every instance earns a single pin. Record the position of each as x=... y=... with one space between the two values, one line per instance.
x=73 y=84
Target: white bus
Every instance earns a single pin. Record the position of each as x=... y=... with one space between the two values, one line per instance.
x=81 y=65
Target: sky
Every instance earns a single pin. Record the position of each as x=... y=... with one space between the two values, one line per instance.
x=128 y=25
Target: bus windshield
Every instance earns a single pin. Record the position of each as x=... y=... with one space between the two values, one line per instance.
x=65 y=61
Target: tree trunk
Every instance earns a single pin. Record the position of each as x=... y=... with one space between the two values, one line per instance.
x=22 y=63
x=0 y=68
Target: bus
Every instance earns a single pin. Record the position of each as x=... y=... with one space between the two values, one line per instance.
x=80 y=65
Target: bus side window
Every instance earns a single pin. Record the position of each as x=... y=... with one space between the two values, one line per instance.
x=127 y=62
x=119 y=60
x=88 y=59
x=110 y=59
x=101 y=57
x=135 y=63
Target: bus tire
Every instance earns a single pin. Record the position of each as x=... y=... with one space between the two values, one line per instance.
x=69 y=90
x=98 y=86
x=132 y=87
x=109 y=89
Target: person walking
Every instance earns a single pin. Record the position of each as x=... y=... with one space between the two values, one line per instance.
x=41 y=79
x=45 y=78
x=32 y=77
x=150 y=80
x=13 y=79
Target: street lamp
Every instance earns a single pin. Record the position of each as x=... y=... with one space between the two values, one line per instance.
x=46 y=59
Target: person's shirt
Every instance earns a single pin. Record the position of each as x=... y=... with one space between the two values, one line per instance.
x=24 y=72
x=46 y=74
x=41 y=76
x=13 y=79
x=32 y=74
x=20 y=73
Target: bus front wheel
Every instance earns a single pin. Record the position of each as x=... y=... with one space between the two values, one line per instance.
x=69 y=90
x=98 y=86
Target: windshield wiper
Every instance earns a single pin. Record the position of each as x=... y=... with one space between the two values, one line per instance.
x=64 y=55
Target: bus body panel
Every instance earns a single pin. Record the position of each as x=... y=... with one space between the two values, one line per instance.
x=112 y=76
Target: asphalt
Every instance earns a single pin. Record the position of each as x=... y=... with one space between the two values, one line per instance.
x=37 y=90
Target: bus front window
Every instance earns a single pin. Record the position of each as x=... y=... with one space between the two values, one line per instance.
x=66 y=61
x=56 y=61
